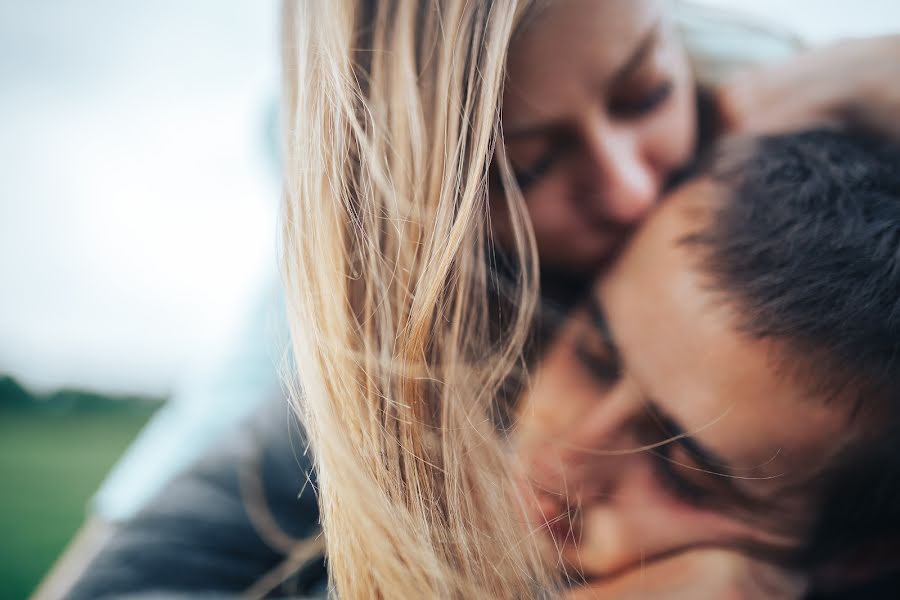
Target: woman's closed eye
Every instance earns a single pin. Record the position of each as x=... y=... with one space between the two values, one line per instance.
x=645 y=89
x=537 y=168
x=527 y=177
x=600 y=364
x=643 y=102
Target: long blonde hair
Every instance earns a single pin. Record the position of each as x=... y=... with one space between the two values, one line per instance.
x=392 y=122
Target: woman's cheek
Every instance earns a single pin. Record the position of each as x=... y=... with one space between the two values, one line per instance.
x=672 y=134
x=562 y=236
x=550 y=206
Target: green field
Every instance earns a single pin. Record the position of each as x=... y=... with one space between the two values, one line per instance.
x=54 y=452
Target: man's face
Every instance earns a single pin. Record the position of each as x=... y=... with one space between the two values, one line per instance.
x=657 y=356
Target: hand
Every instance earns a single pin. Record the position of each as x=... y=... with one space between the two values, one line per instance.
x=853 y=83
x=709 y=574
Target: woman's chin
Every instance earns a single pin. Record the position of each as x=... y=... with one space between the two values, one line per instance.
x=587 y=260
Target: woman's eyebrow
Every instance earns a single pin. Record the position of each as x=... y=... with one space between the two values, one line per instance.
x=637 y=56
x=526 y=131
x=598 y=320
x=634 y=61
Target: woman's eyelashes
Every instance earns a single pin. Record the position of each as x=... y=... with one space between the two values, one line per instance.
x=599 y=364
x=642 y=104
x=628 y=106
x=559 y=146
x=526 y=178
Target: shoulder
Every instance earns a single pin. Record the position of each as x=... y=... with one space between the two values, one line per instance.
x=237 y=514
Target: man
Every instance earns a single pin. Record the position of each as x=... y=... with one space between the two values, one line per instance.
x=733 y=383
x=718 y=420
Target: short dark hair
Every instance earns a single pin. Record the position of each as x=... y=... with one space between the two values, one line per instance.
x=803 y=242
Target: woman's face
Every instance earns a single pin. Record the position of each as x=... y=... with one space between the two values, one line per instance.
x=598 y=110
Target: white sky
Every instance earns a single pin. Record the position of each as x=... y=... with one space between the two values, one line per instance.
x=137 y=196
x=138 y=193
x=819 y=21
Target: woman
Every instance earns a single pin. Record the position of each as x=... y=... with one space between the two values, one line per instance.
x=405 y=190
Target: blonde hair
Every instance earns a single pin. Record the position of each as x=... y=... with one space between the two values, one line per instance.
x=392 y=120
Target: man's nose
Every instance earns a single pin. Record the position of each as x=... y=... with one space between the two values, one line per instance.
x=590 y=499
x=620 y=183
x=616 y=532
x=585 y=462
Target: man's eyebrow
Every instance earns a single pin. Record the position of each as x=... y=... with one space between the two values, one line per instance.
x=707 y=458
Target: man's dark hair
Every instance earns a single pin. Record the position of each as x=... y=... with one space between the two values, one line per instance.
x=803 y=242
x=807 y=246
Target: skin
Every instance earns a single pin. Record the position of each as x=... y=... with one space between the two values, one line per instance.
x=671 y=361
x=598 y=111
x=720 y=575
x=851 y=82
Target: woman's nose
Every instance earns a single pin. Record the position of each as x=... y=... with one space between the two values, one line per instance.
x=621 y=185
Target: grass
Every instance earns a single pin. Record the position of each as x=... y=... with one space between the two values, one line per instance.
x=54 y=452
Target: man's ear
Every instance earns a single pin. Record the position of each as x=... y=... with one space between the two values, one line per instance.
x=864 y=563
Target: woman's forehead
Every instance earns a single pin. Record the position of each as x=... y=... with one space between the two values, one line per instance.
x=572 y=50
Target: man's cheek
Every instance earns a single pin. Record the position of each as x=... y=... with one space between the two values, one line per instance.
x=606 y=540
x=557 y=400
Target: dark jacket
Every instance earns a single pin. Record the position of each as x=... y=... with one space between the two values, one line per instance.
x=231 y=522
x=222 y=526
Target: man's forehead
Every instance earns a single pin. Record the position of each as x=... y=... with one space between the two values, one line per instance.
x=683 y=211
x=682 y=344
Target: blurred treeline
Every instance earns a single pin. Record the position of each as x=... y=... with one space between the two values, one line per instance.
x=54 y=451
